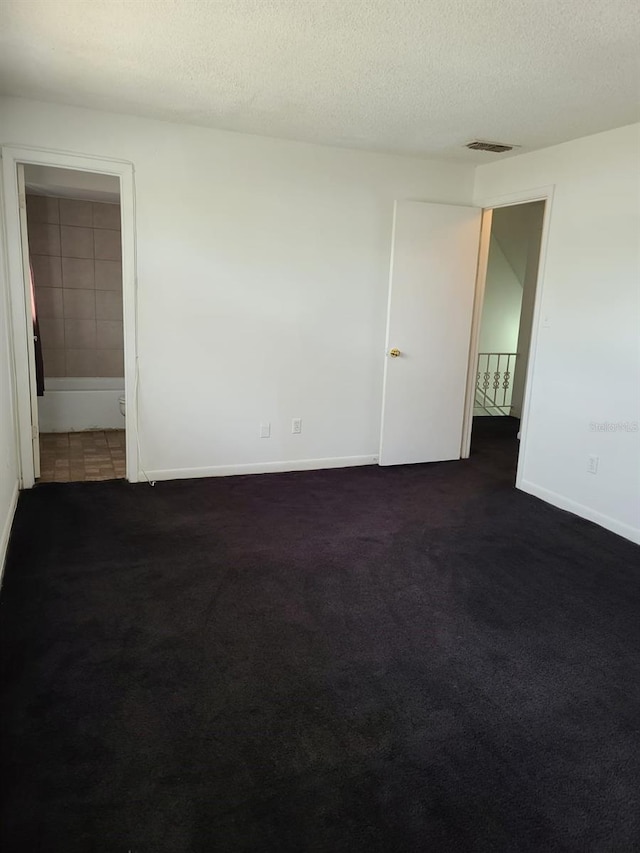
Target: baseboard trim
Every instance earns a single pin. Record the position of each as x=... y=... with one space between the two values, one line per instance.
x=259 y=468
x=562 y=502
x=6 y=530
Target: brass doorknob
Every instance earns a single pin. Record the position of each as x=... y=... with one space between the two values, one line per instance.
x=394 y=353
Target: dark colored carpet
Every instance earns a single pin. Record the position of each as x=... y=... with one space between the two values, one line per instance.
x=408 y=659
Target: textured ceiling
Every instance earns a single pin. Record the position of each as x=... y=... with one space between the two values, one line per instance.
x=409 y=76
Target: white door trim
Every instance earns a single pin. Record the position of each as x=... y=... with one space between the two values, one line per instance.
x=28 y=297
x=21 y=337
x=509 y=200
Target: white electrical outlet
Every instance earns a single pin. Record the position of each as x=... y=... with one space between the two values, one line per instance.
x=592 y=464
x=296 y=426
x=265 y=430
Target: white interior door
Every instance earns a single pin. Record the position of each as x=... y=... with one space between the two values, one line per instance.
x=431 y=293
x=30 y=316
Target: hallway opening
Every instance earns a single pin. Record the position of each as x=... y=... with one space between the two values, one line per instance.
x=506 y=325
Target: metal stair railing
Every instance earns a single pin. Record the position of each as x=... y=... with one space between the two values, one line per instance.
x=494 y=372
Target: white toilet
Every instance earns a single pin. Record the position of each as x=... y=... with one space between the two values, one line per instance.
x=121 y=403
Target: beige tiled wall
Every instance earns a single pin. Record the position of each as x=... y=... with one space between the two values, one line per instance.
x=76 y=261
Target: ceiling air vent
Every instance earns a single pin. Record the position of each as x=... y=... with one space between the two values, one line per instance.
x=495 y=147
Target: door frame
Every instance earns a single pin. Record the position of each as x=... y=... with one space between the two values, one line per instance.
x=21 y=333
x=488 y=205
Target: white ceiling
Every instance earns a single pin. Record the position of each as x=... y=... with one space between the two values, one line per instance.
x=409 y=76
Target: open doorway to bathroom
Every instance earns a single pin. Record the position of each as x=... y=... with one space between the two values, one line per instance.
x=73 y=223
x=505 y=333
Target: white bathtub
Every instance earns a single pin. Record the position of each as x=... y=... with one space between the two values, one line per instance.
x=70 y=404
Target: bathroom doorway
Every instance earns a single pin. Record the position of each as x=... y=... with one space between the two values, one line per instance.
x=75 y=238
x=75 y=264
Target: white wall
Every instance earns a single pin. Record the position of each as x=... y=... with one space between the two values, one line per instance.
x=8 y=437
x=501 y=305
x=587 y=364
x=513 y=227
x=263 y=271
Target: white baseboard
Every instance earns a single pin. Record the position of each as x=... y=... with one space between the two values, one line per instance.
x=259 y=468
x=6 y=529
x=619 y=527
